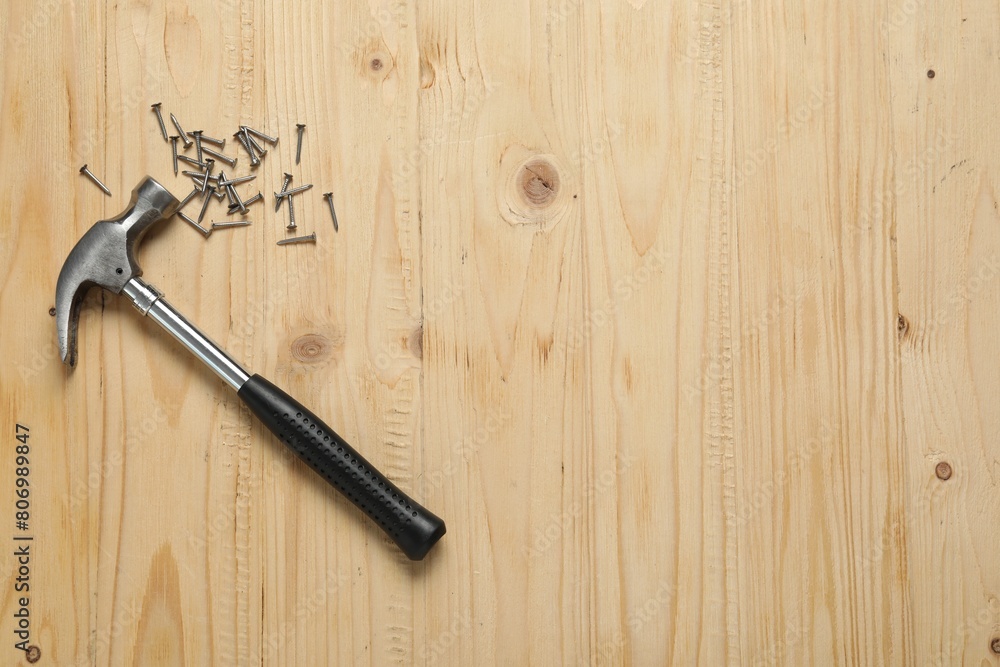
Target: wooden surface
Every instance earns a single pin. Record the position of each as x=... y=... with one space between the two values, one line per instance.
x=672 y=311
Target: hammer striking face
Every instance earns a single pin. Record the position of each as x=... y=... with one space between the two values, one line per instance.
x=106 y=256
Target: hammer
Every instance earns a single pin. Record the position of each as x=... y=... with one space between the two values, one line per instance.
x=106 y=257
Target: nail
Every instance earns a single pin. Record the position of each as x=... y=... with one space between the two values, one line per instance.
x=237 y=181
x=239 y=202
x=159 y=117
x=205 y=139
x=197 y=144
x=328 y=196
x=228 y=191
x=208 y=173
x=298 y=150
x=291 y=213
x=180 y=131
x=260 y=135
x=173 y=151
x=256 y=198
x=194 y=224
x=191 y=160
x=194 y=193
x=229 y=225
x=204 y=207
x=254 y=160
x=261 y=151
x=231 y=161
x=89 y=174
x=299 y=239
x=293 y=191
x=284 y=188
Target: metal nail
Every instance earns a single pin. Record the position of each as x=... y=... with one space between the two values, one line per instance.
x=239 y=202
x=197 y=144
x=180 y=131
x=231 y=161
x=299 y=239
x=159 y=117
x=204 y=207
x=291 y=213
x=191 y=160
x=194 y=224
x=194 y=193
x=173 y=151
x=261 y=151
x=293 y=191
x=240 y=136
x=260 y=135
x=89 y=174
x=256 y=198
x=209 y=163
x=237 y=181
x=298 y=151
x=205 y=139
x=228 y=190
x=328 y=196
x=284 y=188
x=219 y=194
x=229 y=225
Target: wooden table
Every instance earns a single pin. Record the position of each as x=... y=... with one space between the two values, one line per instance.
x=682 y=315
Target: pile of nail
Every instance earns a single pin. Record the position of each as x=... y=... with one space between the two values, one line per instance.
x=220 y=186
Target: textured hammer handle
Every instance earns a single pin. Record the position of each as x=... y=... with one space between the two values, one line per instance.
x=410 y=525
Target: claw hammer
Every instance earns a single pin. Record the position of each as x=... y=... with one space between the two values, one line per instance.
x=106 y=257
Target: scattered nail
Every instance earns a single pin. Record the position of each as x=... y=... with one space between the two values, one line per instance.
x=298 y=151
x=180 y=131
x=328 y=196
x=159 y=117
x=293 y=191
x=229 y=225
x=89 y=174
x=185 y=218
x=299 y=239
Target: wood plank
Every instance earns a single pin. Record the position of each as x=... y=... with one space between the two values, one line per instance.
x=948 y=232
x=679 y=315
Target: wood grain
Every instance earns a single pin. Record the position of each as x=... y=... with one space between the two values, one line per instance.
x=680 y=314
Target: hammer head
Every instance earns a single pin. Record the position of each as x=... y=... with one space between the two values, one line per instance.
x=106 y=256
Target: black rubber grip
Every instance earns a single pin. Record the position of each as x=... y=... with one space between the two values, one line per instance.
x=403 y=519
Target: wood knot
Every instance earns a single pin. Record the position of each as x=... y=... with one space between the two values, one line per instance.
x=533 y=189
x=312 y=348
x=538 y=183
x=375 y=64
x=902 y=326
x=995 y=645
x=415 y=342
x=33 y=654
x=943 y=471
